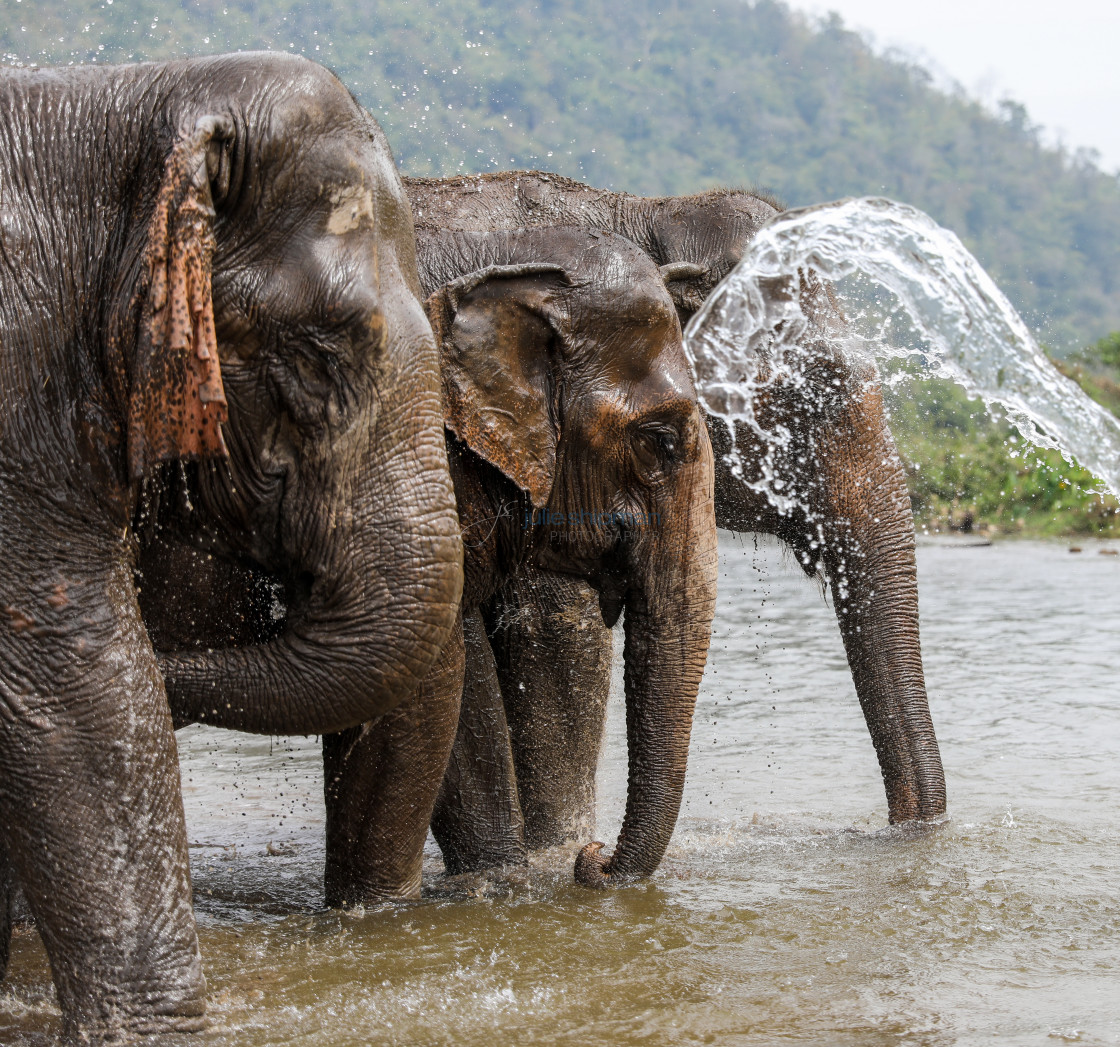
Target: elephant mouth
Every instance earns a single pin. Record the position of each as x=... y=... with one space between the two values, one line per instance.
x=808 y=549
x=599 y=547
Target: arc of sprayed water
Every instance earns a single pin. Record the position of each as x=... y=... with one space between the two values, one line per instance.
x=977 y=338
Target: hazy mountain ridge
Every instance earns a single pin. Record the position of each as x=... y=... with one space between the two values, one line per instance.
x=702 y=93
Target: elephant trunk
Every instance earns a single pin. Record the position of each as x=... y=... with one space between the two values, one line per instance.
x=669 y=613
x=384 y=560
x=869 y=555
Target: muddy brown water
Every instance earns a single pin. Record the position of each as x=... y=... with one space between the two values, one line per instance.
x=784 y=913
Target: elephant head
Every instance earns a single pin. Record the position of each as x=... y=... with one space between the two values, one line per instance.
x=697 y=240
x=334 y=475
x=563 y=369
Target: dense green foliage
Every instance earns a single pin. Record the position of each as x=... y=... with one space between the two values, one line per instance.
x=1105 y=354
x=665 y=97
x=1097 y=371
x=965 y=468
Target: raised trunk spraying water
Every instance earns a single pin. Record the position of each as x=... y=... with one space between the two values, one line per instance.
x=974 y=336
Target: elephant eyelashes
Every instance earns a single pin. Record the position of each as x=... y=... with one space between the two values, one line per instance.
x=358 y=329
x=656 y=448
x=667 y=442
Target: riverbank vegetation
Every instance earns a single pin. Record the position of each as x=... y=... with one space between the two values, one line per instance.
x=967 y=471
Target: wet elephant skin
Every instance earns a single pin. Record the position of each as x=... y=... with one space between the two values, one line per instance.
x=209 y=284
x=552 y=657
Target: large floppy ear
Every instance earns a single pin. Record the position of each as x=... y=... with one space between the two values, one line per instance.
x=495 y=328
x=176 y=402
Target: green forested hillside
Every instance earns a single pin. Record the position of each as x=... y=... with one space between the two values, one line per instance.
x=664 y=96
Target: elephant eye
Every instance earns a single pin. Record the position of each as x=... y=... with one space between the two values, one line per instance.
x=359 y=328
x=656 y=448
x=352 y=317
x=667 y=442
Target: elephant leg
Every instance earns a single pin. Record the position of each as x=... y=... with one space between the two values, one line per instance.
x=381 y=783
x=553 y=657
x=7 y=888
x=90 y=806
x=477 y=821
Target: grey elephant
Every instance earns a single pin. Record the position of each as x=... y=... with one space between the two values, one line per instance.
x=575 y=444
x=551 y=647
x=210 y=323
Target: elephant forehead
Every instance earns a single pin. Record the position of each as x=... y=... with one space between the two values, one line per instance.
x=321 y=149
x=618 y=406
x=712 y=223
x=349 y=175
x=626 y=291
x=280 y=96
x=294 y=84
x=647 y=358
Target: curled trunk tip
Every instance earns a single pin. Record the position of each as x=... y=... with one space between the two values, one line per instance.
x=591 y=866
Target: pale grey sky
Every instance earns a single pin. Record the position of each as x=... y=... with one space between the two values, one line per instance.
x=1059 y=59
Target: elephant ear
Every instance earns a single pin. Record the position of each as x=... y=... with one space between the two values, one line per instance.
x=495 y=330
x=176 y=402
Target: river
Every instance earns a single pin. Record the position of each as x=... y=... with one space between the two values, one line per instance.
x=784 y=912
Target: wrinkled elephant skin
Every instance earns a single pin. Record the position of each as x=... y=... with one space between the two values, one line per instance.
x=576 y=446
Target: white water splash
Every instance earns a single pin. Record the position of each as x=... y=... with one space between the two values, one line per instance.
x=975 y=336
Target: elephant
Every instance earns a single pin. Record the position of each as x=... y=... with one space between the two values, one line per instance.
x=848 y=512
x=210 y=326
x=576 y=445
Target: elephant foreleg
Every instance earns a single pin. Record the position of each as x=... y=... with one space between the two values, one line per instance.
x=553 y=657
x=477 y=820
x=7 y=887
x=381 y=781
x=92 y=816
